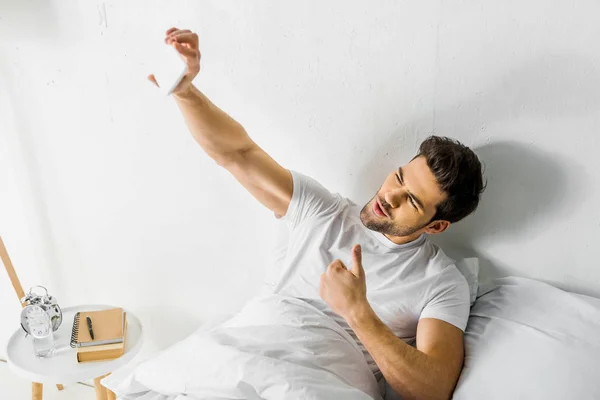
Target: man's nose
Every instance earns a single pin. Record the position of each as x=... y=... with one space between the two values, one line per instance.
x=394 y=197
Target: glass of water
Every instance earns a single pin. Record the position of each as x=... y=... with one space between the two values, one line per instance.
x=43 y=347
x=42 y=334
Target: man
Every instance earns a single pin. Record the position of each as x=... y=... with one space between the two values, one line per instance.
x=415 y=293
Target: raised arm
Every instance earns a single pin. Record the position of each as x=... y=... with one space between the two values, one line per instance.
x=223 y=138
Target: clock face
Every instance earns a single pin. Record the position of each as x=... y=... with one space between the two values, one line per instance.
x=36 y=321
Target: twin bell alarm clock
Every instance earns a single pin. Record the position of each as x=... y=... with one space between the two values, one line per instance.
x=41 y=315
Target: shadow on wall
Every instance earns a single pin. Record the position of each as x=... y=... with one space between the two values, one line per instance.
x=550 y=86
x=526 y=186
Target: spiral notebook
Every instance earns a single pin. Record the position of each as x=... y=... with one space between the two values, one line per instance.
x=108 y=327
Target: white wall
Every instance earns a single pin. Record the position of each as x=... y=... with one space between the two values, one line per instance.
x=104 y=196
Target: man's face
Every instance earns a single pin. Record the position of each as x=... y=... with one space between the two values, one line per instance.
x=406 y=202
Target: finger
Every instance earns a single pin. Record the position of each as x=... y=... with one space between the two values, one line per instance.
x=184 y=37
x=152 y=79
x=170 y=38
x=185 y=51
x=174 y=31
x=167 y=33
x=187 y=39
x=357 y=268
x=333 y=268
x=177 y=32
x=170 y=33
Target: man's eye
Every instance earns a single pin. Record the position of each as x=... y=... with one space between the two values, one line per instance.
x=398 y=179
x=413 y=203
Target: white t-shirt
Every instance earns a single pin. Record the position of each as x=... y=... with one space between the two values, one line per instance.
x=404 y=282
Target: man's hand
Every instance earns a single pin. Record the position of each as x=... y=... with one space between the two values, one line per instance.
x=186 y=44
x=345 y=291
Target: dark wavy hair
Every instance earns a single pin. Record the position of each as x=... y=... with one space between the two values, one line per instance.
x=459 y=173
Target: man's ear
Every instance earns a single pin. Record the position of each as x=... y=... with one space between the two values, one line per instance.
x=438 y=226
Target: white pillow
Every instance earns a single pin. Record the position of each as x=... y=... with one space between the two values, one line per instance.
x=529 y=340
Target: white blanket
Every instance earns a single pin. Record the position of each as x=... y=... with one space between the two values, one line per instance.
x=275 y=348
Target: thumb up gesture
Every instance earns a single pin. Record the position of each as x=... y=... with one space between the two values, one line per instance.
x=345 y=290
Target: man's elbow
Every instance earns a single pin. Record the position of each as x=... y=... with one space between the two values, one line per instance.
x=433 y=387
x=436 y=394
x=447 y=385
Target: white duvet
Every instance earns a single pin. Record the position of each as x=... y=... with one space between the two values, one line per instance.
x=276 y=347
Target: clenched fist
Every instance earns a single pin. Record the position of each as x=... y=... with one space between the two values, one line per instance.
x=345 y=291
x=186 y=44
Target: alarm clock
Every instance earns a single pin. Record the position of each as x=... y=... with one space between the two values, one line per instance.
x=41 y=315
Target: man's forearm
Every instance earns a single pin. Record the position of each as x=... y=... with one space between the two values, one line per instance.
x=217 y=133
x=410 y=372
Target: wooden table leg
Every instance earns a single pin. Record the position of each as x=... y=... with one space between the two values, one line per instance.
x=59 y=386
x=37 y=390
x=110 y=395
x=100 y=390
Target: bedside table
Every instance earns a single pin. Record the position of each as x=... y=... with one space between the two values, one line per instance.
x=63 y=368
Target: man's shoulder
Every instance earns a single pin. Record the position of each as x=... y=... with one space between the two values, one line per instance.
x=436 y=258
x=443 y=267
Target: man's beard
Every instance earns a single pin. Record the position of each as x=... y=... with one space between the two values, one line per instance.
x=385 y=226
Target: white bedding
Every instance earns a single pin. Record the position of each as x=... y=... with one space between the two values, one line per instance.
x=276 y=348
x=525 y=340
x=529 y=340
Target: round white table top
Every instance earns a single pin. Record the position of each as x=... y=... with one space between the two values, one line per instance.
x=63 y=367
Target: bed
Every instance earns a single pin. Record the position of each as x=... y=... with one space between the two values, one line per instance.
x=529 y=340
x=525 y=340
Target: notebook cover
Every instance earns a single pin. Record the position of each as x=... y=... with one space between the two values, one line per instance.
x=88 y=355
x=104 y=355
x=106 y=324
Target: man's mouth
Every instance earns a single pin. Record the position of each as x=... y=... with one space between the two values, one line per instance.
x=378 y=209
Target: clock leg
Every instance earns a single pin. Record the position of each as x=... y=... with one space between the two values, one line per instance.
x=36 y=391
x=100 y=390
